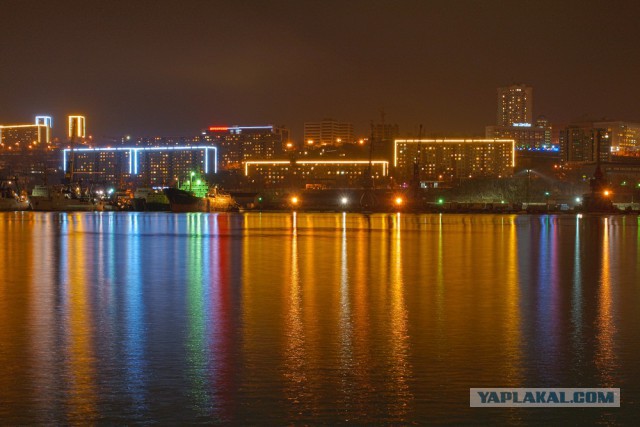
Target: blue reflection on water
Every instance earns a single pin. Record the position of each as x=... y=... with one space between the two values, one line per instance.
x=135 y=339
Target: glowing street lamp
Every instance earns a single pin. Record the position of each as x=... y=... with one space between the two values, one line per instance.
x=546 y=195
x=294 y=200
x=399 y=201
x=606 y=193
x=344 y=201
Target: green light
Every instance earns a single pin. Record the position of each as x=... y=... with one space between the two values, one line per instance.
x=259 y=199
x=193 y=174
x=623 y=183
x=440 y=201
x=198 y=182
x=546 y=193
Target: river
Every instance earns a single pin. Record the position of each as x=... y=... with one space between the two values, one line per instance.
x=313 y=318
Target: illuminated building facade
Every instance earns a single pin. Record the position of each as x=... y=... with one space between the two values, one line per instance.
x=328 y=132
x=317 y=173
x=44 y=120
x=77 y=127
x=154 y=166
x=162 y=141
x=625 y=136
x=453 y=159
x=579 y=141
x=528 y=137
x=19 y=137
x=238 y=144
x=515 y=105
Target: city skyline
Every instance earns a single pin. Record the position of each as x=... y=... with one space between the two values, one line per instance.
x=216 y=63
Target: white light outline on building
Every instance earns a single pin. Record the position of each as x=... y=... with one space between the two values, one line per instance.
x=384 y=163
x=251 y=127
x=133 y=154
x=48 y=121
x=453 y=141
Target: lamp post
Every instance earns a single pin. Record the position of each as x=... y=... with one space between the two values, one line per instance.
x=528 y=185
x=546 y=195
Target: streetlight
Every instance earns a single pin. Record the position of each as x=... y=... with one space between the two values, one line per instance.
x=546 y=195
x=344 y=201
x=633 y=194
x=528 y=185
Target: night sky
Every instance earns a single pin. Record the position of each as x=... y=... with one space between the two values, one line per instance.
x=176 y=67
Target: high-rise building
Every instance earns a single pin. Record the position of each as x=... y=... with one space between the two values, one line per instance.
x=327 y=132
x=44 y=120
x=453 y=159
x=515 y=105
x=238 y=144
x=25 y=148
x=579 y=141
x=625 y=136
x=77 y=127
x=27 y=136
x=156 y=166
x=529 y=137
x=320 y=173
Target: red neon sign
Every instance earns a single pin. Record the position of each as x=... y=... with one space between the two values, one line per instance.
x=218 y=128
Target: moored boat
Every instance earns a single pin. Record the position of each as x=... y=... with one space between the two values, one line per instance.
x=62 y=198
x=10 y=199
x=185 y=201
x=149 y=199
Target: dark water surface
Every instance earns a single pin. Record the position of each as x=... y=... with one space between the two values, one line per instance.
x=313 y=318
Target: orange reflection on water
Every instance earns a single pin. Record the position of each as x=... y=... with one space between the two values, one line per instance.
x=401 y=370
x=605 y=355
x=79 y=326
x=295 y=347
x=512 y=328
x=15 y=296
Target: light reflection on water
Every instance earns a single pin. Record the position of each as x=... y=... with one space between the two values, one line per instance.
x=312 y=318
